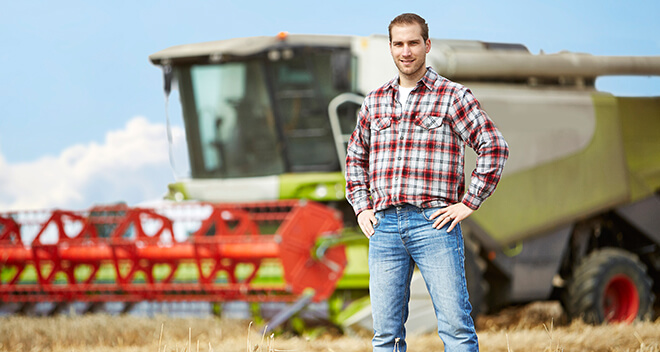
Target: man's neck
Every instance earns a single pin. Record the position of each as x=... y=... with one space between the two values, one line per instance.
x=410 y=81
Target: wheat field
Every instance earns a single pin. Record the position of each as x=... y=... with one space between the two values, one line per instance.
x=535 y=327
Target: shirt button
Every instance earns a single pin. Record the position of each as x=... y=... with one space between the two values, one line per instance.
x=399 y=158
x=401 y=138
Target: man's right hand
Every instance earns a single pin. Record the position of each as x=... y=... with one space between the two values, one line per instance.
x=366 y=219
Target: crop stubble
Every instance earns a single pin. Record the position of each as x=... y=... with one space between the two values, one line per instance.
x=535 y=327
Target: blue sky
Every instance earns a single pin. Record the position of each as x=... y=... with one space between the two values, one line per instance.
x=75 y=74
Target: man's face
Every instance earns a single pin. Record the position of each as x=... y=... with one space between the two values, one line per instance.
x=409 y=49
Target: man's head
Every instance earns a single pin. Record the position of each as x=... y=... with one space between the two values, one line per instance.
x=408 y=19
x=409 y=44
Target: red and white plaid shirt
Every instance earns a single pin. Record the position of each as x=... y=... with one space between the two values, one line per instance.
x=414 y=153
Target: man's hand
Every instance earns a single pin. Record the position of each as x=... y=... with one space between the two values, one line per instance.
x=454 y=213
x=366 y=219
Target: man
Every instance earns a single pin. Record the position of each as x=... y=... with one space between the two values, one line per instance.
x=404 y=179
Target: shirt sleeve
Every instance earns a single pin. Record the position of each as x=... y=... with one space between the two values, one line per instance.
x=479 y=132
x=357 y=164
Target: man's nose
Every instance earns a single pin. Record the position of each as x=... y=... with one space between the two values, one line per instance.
x=406 y=50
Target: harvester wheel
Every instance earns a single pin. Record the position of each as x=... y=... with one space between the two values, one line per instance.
x=610 y=285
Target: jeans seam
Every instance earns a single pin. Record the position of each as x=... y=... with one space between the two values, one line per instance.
x=461 y=250
x=406 y=301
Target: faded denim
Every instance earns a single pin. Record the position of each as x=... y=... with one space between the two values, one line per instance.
x=403 y=237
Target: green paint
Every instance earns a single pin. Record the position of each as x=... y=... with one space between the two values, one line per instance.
x=640 y=128
x=537 y=199
x=177 y=188
x=328 y=186
x=356 y=272
x=354 y=307
x=270 y=272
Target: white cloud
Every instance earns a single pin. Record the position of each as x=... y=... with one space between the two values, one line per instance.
x=132 y=165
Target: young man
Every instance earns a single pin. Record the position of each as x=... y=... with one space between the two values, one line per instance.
x=405 y=181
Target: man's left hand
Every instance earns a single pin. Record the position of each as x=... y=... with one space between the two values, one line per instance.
x=453 y=214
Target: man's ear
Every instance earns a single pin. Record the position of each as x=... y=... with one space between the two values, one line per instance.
x=428 y=45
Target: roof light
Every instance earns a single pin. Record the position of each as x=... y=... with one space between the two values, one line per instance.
x=282 y=35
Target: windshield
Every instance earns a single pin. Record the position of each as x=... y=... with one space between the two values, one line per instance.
x=260 y=116
x=229 y=121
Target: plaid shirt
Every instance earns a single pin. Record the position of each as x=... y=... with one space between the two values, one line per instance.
x=415 y=155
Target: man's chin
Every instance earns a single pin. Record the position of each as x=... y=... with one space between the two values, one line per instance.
x=408 y=71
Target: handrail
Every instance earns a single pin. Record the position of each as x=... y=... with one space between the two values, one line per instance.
x=338 y=136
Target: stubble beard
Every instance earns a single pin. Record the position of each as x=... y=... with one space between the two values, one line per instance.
x=414 y=72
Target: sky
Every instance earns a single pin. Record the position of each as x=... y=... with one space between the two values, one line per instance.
x=82 y=111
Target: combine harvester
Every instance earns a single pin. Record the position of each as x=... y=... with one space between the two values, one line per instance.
x=263 y=217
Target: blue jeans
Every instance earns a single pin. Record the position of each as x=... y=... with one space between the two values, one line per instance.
x=404 y=236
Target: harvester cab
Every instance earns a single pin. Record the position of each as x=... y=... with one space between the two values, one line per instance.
x=256 y=116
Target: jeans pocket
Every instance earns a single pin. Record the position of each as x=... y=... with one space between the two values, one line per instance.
x=428 y=212
x=379 y=219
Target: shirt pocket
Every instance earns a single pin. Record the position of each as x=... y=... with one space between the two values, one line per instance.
x=429 y=122
x=381 y=123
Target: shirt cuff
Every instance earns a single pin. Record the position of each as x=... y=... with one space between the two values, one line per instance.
x=361 y=206
x=471 y=201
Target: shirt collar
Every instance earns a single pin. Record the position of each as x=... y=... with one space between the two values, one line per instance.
x=428 y=80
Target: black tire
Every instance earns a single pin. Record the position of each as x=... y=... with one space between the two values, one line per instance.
x=610 y=285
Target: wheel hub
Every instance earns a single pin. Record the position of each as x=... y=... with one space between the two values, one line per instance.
x=621 y=300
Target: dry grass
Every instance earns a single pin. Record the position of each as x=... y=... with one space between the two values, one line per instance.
x=537 y=327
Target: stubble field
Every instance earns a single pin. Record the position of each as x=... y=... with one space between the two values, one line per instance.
x=535 y=327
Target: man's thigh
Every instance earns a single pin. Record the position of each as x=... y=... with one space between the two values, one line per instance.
x=390 y=268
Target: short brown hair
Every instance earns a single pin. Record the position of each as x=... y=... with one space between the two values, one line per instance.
x=410 y=18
